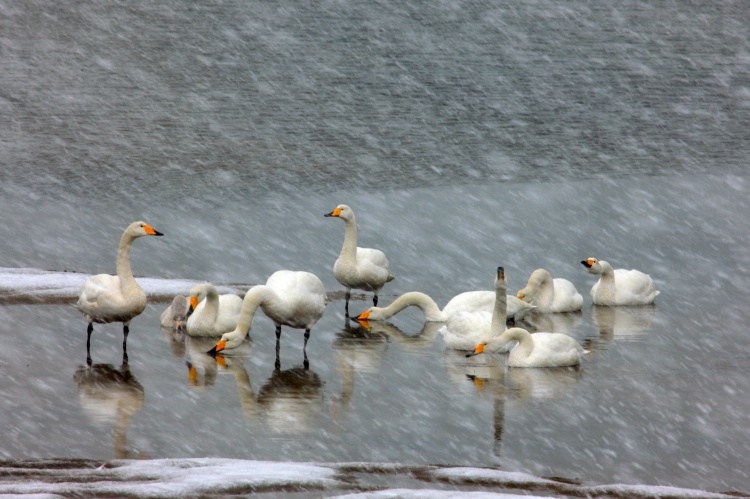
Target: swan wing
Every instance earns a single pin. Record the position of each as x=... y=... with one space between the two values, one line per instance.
x=634 y=287
x=566 y=297
x=465 y=330
x=550 y=350
x=470 y=301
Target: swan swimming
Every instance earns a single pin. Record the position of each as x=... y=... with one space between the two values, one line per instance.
x=469 y=302
x=550 y=295
x=464 y=330
x=620 y=286
x=288 y=298
x=534 y=350
x=358 y=268
x=105 y=298
x=212 y=314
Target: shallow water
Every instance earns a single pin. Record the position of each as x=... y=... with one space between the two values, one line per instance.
x=464 y=137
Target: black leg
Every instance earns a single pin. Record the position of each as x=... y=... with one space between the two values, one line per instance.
x=305 y=363
x=89 y=330
x=277 y=365
x=125 y=331
x=307 y=337
x=375 y=300
x=348 y=295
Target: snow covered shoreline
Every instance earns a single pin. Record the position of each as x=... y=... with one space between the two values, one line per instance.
x=216 y=477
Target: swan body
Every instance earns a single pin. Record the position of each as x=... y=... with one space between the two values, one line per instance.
x=468 y=302
x=212 y=314
x=288 y=298
x=551 y=295
x=535 y=350
x=620 y=286
x=175 y=314
x=105 y=298
x=358 y=268
x=464 y=330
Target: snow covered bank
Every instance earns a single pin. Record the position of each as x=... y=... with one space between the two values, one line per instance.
x=215 y=477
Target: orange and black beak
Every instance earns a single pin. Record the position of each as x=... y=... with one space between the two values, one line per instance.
x=151 y=232
x=218 y=348
x=193 y=305
x=587 y=263
x=500 y=273
x=334 y=213
x=363 y=316
x=479 y=349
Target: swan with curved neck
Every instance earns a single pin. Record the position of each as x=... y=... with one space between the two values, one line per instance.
x=464 y=330
x=468 y=302
x=211 y=314
x=105 y=298
x=534 y=350
x=620 y=286
x=358 y=268
x=175 y=315
x=288 y=298
x=551 y=295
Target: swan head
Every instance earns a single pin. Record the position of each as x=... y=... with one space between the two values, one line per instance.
x=593 y=265
x=140 y=229
x=180 y=311
x=501 y=282
x=197 y=294
x=479 y=349
x=342 y=211
x=228 y=341
x=372 y=314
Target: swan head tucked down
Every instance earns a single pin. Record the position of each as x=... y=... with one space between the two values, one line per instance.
x=342 y=211
x=198 y=293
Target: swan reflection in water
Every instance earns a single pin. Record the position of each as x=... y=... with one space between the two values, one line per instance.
x=289 y=402
x=620 y=323
x=110 y=395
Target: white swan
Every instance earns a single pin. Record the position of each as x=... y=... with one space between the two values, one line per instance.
x=468 y=302
x=551 y=295
x=358 y=268
x=295 y=299
x=106 y=298
x=465 y=330
x=175 y=314
x=212 y=314
x=620 y=286
x=534 y=350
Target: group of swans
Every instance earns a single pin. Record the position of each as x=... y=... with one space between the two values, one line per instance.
x=297 y=299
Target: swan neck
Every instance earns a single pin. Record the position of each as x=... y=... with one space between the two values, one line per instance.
x=349 y=248
x=211 y=307
x=124 y=271
x=523 y=337
x=426 y=304
x=541 y=282
x=499 y=312
x=253 y=299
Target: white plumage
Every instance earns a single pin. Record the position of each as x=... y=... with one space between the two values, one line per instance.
x=620 y=286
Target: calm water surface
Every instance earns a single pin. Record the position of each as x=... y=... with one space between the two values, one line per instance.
x=465 y=137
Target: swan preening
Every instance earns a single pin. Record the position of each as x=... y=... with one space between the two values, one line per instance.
x=288 y=298
x=550 y=295
x=620 y=286
x=534 y=350
x=107 y=298
x=175 y=315
x=468 y=302
x=358 y=268
x=464 y=330
x=212 y=314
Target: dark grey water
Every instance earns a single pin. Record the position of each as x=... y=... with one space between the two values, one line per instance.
x=465 y=136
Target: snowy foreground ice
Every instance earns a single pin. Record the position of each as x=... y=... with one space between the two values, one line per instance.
x=214 y=477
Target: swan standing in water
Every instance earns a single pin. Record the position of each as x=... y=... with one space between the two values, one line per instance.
x=620 y=286
x=106 y=298
x=551 y=295
x=464 y=330
x=358 y=268
x=295 y=299
x=468 y=302
x=534 y=350
x=212 y=314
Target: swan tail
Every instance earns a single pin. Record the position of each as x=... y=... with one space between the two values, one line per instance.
x=390 y=278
